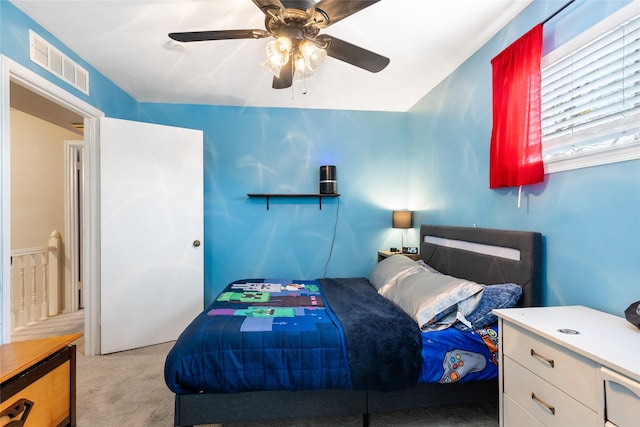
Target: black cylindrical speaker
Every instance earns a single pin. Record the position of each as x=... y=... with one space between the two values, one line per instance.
x=328 y=184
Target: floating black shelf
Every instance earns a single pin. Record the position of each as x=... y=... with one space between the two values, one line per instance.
x=267 y=196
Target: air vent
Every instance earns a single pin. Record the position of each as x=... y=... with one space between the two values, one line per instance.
x=51 y=59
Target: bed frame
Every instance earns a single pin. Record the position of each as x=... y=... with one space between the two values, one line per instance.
x=467 y=253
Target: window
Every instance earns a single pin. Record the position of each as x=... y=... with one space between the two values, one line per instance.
x=591 y=98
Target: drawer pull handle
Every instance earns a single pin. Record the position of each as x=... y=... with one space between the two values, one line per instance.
x=21 y=409
x=543 y=403
x=539 y=356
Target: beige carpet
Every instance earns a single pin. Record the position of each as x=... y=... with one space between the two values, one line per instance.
x=128 y=389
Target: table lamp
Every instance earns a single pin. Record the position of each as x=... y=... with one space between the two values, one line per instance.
x=402 y=220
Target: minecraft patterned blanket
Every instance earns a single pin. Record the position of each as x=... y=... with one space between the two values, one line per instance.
x=261 y=335
x=332 y=333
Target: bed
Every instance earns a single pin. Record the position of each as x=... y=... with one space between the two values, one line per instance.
x=359 y=345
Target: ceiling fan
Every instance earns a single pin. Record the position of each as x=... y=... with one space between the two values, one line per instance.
x=298 y=48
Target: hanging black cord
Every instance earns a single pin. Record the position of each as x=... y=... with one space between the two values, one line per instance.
x=333 y=239
x=553 y=15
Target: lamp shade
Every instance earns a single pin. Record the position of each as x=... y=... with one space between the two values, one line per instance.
x=402 y=219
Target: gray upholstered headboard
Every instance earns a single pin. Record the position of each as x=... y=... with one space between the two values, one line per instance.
x=469 y=253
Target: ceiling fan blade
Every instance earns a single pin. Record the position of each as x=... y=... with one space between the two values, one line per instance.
x=266 y=5
x=336 y=10
x=353 y=54
x=286 y=77
x=198 y=36
x=298 y=4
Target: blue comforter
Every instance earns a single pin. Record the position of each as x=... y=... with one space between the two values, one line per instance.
x=260 y=336
x=331 y=333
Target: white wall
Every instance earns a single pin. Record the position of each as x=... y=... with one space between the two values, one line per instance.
x=37 y=179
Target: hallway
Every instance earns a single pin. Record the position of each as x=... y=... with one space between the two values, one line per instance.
x=61 y=324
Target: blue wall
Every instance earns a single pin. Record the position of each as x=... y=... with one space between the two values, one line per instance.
x=261 y=150
x=589 y=217
x=433 y=159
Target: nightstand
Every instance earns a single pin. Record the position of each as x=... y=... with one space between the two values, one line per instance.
x=568 y=366
x=386 y=254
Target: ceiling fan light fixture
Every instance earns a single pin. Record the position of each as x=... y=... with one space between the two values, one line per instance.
x=295 y=26
x=279 y=50
x=300 y=65
x=273 y=68
x=313 y=55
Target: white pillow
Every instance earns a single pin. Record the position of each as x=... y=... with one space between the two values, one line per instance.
x=427 y=267
x=435 y=300
x=387 y=272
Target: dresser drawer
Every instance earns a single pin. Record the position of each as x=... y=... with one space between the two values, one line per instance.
x=45 y=401
x=515 y=415
x=544 y=401
x=570 y=372
x=622 y=397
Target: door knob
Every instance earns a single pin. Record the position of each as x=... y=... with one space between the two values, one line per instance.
x=196 y=243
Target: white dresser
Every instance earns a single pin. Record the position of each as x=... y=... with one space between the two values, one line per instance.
x=568 y=366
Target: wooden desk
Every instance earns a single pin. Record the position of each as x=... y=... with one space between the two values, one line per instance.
x=38 y=382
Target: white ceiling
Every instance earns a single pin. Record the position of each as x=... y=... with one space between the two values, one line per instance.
x=127 y=42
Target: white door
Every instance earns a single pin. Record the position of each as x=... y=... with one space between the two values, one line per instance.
x=151 y=214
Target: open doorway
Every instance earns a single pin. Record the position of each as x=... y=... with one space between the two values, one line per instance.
x=46 y=181
x=15 y=74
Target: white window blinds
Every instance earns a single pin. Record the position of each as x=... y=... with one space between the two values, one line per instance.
x=591 y=98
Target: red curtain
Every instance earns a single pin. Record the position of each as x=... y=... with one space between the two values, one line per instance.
x=516 y=138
